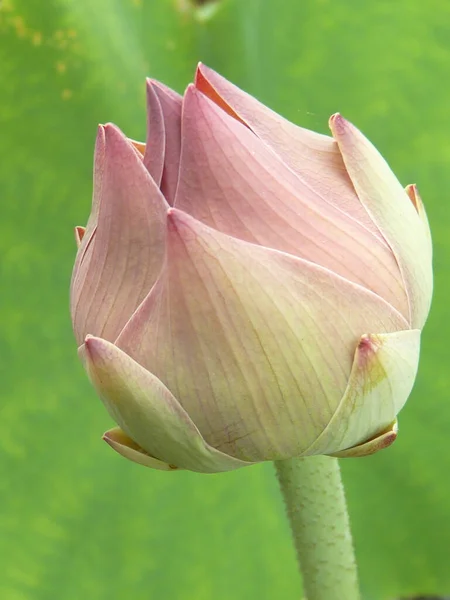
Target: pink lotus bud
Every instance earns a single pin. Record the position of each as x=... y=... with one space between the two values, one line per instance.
x=247 y=290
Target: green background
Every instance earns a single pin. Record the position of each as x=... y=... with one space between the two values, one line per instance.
x=77 y=521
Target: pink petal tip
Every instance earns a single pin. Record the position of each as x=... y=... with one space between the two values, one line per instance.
x=337 y=123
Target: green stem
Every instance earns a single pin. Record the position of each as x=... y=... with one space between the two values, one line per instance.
x=316 y=507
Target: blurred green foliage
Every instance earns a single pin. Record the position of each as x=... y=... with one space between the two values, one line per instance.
x=76 y=521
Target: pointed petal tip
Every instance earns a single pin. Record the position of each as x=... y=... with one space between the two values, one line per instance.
x=203 y=68
x=368 y=346
x=379 y=442
x=199 y=72
x=111 y=437
x=182 y=224
x=205 y=84
x=335 y=116
x=152 y=82
x=111 y=132
x=196 y=101
x=107 y=437
x=79 y=234
x=92 y=346
x=126 y=447
x=413 y=192
x=100 y=139
x=191 y=91
x=337 y=123
x=172 y=220
x=173 y=215
x=157 y=87
x=113 y=138
x=150 y=86
x=153 y=86
x=116 y=142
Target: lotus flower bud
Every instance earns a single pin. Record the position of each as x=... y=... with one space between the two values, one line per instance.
x=247 y=290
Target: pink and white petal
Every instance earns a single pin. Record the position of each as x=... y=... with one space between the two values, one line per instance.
x=232 y=182
x=393 y=212
x=382 y=377
x=171 y=106
x=147 y=412
x=126 y=447
x=99 y=165
x=123 y=259
x=156 y=135
x=314 y=157
x=245 y=337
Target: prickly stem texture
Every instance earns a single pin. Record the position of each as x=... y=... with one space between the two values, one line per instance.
x=315 y=503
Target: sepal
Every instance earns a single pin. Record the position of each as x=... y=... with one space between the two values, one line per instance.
x=147 y=412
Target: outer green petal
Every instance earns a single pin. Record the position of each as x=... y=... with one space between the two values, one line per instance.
x=383 y=373
x=392 y=211
x=126 y=447
x=147 y=412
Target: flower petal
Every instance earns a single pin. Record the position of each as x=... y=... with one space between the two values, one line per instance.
x=147 y=412
x=156 y=135
x=89 y=232
x=379 y=442
x=383 y=373
x=393 y=212
x=124 y=255
x=170 y=103
x=232 y=182
x=245 y=337
x=314 y=157
x=126 y=447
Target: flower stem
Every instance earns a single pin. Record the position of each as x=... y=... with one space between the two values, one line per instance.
x=316 y=507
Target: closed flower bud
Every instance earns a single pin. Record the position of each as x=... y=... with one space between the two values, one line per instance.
x=247 y=290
